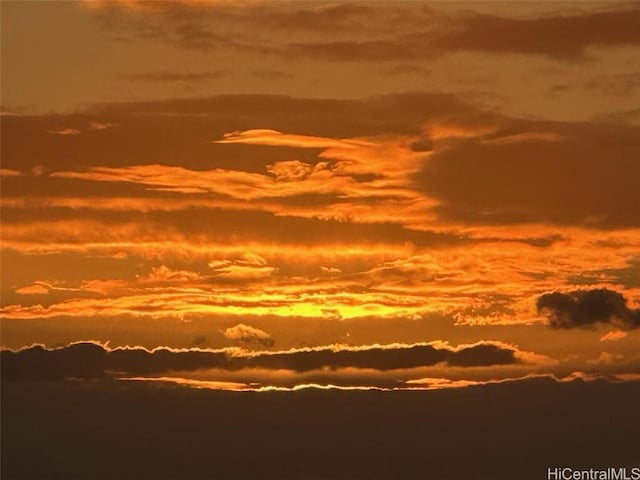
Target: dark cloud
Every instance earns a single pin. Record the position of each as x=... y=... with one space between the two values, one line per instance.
x=374 y=358
x=403 y=48
x=560 y=37
x=320 y=17
x=182 y=130
x=210 y=26
x=90 y=360
x=628 y=276
x=422 y=145
x=384 y=32
x=482 y=355
x=183 y=25
x=587 y=308
x=582 y=175
x=565 y=37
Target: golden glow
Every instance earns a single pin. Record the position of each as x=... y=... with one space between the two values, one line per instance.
x=210 y=187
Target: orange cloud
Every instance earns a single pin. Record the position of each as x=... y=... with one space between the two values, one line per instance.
x=96 y=125
x=276 y=138
x=248 y=266
x=165 y=274
x=613 y=335
x=64 y=131
x=35 y=289
x=247 y=334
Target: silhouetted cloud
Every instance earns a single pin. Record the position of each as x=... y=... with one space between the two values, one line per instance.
x=482 y=355
x=88 y=360
x=586 y=308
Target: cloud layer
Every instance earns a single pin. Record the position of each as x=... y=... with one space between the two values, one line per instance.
x=90 y=360
x=364 y=32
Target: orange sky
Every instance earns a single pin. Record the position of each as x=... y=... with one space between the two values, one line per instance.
x=297 y=180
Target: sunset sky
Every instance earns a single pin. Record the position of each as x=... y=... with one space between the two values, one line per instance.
x=367 y=180
x=306 y=195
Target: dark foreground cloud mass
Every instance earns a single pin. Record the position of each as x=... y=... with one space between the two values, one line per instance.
x=516 y=430
x=89 y=360
x=586 y=308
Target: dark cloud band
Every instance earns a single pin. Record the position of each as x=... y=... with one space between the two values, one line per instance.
x=90 y=360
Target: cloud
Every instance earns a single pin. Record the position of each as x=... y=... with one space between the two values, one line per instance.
x=613 y=335
x=587 y=308
x=482 y=355
x=64 y=131
x=35 y=289
x=96 y=125
x=40 y=287
x=276 y=138
x=162 y=274
x=103 y=287
x=203 y=119
x=89 y=360
x=459 y=218
x=247 y=266
x=291 y=170
x=606 y=358
x=537 y=172
x=330 y=269
x=169 y=77
x=93 y=125
x=381 y=32
x=92 y=360
x=563 y=37
x=249 y=335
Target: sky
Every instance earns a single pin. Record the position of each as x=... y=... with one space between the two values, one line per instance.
x=316 y=239
x=254 y=195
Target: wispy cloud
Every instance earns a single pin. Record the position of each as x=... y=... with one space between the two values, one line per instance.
x=417 y=32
